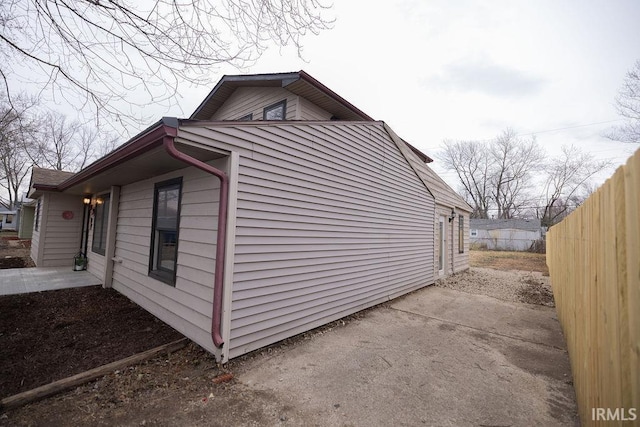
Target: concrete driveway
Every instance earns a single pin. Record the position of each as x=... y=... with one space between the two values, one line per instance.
x=436 y=357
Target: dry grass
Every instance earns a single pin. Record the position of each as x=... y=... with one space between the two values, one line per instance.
x=503 y=260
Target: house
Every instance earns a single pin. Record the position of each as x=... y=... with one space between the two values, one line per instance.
x=277 y=207
x=452 y=218
x=505 y=234
x=61 y=243
x=8 y=219
x=26 y=213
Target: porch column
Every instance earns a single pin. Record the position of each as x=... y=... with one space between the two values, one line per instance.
x=110 y=248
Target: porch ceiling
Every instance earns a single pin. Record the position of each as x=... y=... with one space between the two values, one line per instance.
x=147 y=165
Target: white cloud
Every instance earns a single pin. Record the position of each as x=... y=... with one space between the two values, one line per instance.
x=488 y=77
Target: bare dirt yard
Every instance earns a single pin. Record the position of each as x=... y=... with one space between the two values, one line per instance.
x=51 y=335
x=505 y=260
x=14 y=252
x=510 y=276
x=185 y=388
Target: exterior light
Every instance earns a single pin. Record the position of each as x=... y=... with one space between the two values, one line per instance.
x=86 y=200
x=99 y=201
x=453 y=215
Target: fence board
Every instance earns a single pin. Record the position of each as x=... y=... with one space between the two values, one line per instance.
x=632 y=193
x=594 y=263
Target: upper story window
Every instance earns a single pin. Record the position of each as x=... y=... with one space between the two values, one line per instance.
x=100 y=225
x=164 y=230
x=275 y=111
x=246 y=118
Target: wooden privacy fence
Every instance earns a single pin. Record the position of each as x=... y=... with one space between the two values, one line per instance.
x=594 y=262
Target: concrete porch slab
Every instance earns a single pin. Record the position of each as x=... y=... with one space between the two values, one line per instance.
x=24 y=280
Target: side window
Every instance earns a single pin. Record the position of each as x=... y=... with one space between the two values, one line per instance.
x=37 y=222
x=276 y=111
x=461 y=234
x=164 y=230
x=474 y=233
x=246 y=118
x=100 y=225
x=9 y=219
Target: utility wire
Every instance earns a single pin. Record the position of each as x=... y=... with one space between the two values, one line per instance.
x=569 y=127
x=554 y=130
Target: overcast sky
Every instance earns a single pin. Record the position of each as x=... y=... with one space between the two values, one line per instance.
x=468 y=69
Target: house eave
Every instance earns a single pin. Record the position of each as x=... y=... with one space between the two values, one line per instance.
x=148 y=139
x=331 y=94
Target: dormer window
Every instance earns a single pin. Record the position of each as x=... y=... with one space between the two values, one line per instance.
x=246 y=118
x=275 y=111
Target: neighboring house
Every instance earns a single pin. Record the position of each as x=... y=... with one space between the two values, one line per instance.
x=47 y=209
x=26 y=213
x=8 y=219
x=276 y=208
x=505 y=234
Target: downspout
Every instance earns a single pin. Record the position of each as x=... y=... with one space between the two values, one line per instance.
x=453 y=250
x=216 y=314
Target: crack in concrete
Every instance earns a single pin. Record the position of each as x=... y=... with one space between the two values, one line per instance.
x=479 y=329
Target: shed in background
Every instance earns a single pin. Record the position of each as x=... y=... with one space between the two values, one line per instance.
x=505 y=234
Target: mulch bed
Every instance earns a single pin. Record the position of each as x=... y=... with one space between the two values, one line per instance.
x=51 y=335
x=13 y=262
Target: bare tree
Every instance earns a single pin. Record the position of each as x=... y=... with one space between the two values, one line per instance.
x=513 y=161
x=568 y=183
x=628 y=106
x=16 y=126
x=473 y=167
x=494 y=174
x=102 y=53
x=63 y=144
x=14 y=171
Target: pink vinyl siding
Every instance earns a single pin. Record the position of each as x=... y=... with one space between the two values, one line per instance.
x=330 y=220
x=187 y=305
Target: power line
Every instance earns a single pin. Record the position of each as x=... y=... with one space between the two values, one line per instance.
x=568 y=206
x=569 y=127
x=554 y=130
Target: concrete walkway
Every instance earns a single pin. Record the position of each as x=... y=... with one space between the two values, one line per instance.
x=25 y=280
x=436 y=357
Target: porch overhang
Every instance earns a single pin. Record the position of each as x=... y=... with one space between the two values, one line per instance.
x=140 y=158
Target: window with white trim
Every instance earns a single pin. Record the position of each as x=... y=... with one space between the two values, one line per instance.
x=164 y=230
